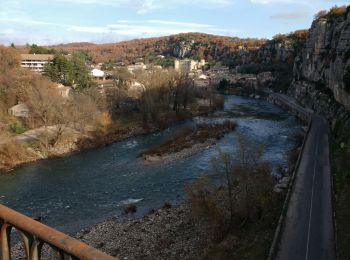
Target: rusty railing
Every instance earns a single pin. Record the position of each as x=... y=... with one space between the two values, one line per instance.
x=35 y=234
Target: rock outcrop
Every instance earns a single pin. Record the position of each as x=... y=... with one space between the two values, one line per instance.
x=323 y=62
x=320 y=68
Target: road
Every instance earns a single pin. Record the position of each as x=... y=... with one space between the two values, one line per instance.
x=308 y=231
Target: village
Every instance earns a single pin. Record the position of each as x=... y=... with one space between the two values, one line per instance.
x=202 y=75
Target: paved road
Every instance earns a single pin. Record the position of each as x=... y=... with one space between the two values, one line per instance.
x=308 y=232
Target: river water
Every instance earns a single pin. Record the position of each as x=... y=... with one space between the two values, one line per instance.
x=80 y=190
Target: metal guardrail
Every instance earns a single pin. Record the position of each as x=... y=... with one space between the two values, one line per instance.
x=35 y=234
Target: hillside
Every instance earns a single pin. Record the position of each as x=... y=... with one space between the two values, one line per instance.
x=196 y=45
x=231 y=51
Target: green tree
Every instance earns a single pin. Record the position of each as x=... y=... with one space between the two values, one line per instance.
x=69 y=72
x=81 y=74
x=60 y=70
x=40 y=50
x=223 y=84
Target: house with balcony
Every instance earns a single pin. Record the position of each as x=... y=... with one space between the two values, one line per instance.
x=35 y=62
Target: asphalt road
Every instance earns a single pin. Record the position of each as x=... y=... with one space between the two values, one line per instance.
x=308 y=231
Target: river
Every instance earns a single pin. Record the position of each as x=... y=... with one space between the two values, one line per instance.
x=79 y=190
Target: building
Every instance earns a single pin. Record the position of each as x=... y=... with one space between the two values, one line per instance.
x=185 y=66
x=35 y=62
x=137 y=66
x=19 y=110
x=218 y=69
x=98 y=74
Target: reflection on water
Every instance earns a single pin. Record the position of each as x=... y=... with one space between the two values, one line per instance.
x=77 y=191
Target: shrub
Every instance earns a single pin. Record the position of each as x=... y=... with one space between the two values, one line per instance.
x=346 y=56
x=240 y=191
x=346 y=79
x=167 y=205
x=334 y=12
x=18 y=127
x=131 y=208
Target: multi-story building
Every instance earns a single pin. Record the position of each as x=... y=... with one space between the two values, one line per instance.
x=186 y=66
x=35 y=62
x=137 y=67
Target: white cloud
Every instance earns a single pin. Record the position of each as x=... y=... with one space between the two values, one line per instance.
x=145 y=6
x=150 y=28
x=88 y=29
x=184 y=24
x=7 y=32
x=290 y=15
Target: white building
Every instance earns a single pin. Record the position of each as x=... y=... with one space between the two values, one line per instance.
x=35 y=62
x=19 y=110
x=186 y=66
x=98 y=74
x=137 y=66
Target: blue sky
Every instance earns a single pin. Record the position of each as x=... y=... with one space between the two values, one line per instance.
x=62 y=21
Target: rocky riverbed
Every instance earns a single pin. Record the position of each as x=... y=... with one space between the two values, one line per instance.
x=167 y=233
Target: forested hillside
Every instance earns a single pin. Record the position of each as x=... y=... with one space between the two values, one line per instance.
x=231 y=51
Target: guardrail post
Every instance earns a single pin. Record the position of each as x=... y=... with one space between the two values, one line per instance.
x=5 y=244
x=27 y=241
x=35 y=251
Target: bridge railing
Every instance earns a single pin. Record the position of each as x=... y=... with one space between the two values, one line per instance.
x=35 y=234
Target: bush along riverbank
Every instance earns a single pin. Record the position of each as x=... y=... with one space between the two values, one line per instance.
x=25 y=149
x=188 y=141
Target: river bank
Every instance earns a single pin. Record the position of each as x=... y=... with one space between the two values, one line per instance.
x=167 y=233
x=75 y=192
x=27 y=153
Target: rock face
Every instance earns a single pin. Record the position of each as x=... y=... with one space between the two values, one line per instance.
x=320 y=68
x=323 y=61
x=276 y=51
x=183 y=49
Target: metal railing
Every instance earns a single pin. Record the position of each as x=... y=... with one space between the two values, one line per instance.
x=35 y=234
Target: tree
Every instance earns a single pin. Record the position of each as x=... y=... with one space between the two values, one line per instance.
x=81 y=74
x=69 y=72
x=59 y=70
x=46 y=108
x=238 y=186
x=35 y=49
x=223 y=84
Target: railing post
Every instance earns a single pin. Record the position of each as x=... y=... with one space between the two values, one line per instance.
x=34 y=234
x=35 y=250
x=27 y=239
x=5 y=244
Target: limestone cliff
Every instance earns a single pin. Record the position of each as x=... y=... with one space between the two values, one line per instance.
x=320 y=70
